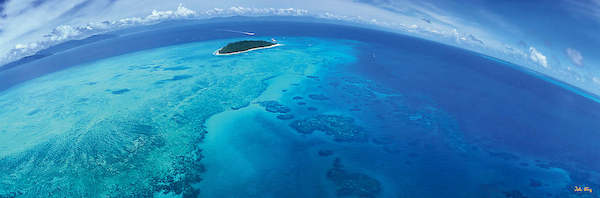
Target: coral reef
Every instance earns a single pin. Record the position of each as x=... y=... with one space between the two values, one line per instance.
x=341 y=128
x=285 y=116
x=176 y=68
x=120 y=91
x=111 y=150
x=239 y=106
x=318 y=97
x=353 y=184
x=274 y=106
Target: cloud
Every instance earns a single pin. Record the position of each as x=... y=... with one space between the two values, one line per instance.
x=76 y=9
x=63 y=33
x=180 y=12
x=589 y=8
x=575 y=56
x=596 y=80
x=537 y=57
x=27 y=29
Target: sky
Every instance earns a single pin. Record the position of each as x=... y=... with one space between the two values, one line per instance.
x=558 y=38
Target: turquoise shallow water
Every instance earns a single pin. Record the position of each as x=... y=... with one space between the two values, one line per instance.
x=135 y=119
x=333 y=112
x=251 y=152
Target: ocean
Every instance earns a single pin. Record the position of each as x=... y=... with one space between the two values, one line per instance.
x=336 y=111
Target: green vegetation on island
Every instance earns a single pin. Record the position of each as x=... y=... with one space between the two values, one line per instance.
x=241 y=46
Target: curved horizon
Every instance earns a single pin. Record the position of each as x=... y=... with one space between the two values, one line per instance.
x=566 y=55
x=346 y=106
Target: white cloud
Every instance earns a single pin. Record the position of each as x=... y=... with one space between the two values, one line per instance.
x=575 y=56
x=590 y=8
x=184 y=12
x=20 y=46
x=596 y=80
x=51 y=23
x=180 y=12
x=537 y=57
x=116 y=16
x=63 y=32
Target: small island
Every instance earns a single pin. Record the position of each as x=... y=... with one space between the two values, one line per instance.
x=244 y=46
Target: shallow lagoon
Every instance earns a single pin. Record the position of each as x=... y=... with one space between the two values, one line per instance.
x=431 y=120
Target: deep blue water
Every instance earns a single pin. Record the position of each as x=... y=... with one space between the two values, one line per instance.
x=491 y=99
x=456 y=114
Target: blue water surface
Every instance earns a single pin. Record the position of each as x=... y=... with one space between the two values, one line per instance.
x=404 y=117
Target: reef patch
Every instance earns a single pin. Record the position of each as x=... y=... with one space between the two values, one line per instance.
x=174 y=78
x=120 y=91
x=177 y=68
x=274 y=107
x=285 y=117
x=318 y=97
x=341 y=128
x=351 y=183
